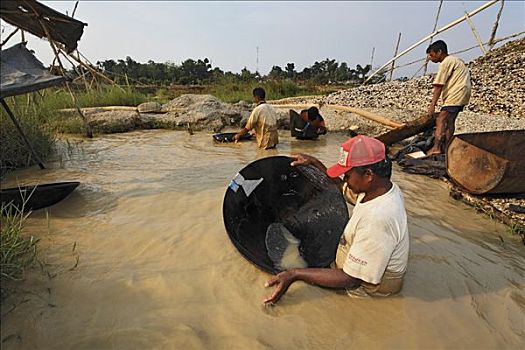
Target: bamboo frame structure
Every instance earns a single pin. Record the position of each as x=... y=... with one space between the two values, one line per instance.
x=464 y=50
x=491 y=42
x=440 y=30
x=433 y=29
x=89 y=131
x=475 y=33
x=395 y=54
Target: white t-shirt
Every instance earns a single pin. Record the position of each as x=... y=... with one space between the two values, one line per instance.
x=375 y=239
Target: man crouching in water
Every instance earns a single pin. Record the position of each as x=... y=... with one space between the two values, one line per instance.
x=373 y=251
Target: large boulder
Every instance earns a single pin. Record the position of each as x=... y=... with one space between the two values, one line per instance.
x=113 y=121
x=202 y=112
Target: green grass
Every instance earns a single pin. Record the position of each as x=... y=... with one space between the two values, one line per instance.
x=40 y=120
x=16 y=251
x=32 y=119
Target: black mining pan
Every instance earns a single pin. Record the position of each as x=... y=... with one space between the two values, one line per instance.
x=303 y=199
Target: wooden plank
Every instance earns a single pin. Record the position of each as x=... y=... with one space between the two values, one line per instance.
x=407 y=130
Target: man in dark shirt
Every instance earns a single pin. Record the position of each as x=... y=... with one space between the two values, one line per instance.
x=307 y=125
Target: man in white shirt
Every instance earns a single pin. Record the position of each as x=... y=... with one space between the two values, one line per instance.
x=453 y=84
x=373 y=251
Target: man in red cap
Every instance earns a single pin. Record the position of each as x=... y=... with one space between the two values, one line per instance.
x=373 y=251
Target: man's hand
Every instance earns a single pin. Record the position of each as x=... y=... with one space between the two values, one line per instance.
x=236 y=137
x=281 y=282
x=302 y=159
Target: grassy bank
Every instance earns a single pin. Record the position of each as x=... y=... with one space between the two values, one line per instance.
x=16 y=251
x=232 y=91
x=40 y=120
x=38 y=117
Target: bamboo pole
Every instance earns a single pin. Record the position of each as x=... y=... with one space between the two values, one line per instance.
x=434 y=29
x=89 y=131
x=465 y=50
x=9 y=37
x=361 y=112
x=91 y=69
x=395 y=54
x=74 y=9
x=24 y=138
x=368 y=115
x=495 y=27
x=103 y=108
x=440 y=30
x=475 y=33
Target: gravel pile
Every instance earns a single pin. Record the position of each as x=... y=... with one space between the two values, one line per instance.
x=498 y=81
x=497 y=102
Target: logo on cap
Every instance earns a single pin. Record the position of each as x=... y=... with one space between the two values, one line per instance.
x=343 y=157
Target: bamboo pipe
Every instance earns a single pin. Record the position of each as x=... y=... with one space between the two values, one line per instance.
x=366 y=114
x=104 y=108
x=442 y=29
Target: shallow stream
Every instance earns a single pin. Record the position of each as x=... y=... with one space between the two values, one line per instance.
x=138 y=257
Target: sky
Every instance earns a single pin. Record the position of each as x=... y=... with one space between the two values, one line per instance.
x=229 y=32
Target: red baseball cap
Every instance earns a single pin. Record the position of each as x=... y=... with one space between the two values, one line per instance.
x=358 y=151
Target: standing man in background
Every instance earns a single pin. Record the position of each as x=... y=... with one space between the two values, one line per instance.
x=263 y=121
x=452 y=83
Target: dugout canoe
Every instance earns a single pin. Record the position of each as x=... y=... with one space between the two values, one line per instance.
x=38 y=196
x=303 y=199
x=488 y=162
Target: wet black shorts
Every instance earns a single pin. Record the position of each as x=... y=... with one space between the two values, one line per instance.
x=452 y=109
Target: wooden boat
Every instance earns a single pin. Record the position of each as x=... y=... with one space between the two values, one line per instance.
x=488 y=162
x=228 y=137
x=37 y=197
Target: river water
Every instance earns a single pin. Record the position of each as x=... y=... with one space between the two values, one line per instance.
x=138 y=257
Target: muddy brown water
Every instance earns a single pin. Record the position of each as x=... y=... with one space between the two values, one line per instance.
x=156 y=268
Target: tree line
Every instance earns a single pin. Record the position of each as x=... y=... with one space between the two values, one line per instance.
x=200 y=71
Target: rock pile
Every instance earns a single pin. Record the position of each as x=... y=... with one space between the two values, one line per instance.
x=498 y=83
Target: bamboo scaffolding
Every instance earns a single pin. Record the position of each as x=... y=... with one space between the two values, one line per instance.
x=394 y=61
x=491 y=42
x=463 y=50
x=93 y=71
x=433 y=29
x=440 y=30
x=89 y=131
x=475 y=33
